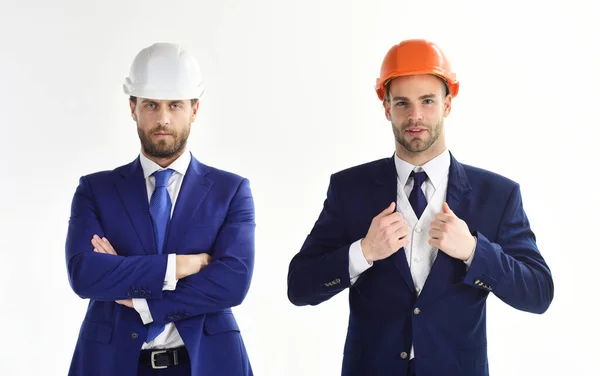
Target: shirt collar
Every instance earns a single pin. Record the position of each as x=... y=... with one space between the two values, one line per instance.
x=435 y=169
x=180 y=165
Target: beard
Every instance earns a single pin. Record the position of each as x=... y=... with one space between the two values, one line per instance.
x=420 y=143
x=163 y=148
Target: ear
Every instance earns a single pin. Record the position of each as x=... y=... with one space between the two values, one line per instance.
x=387 y=106
x=447 y=105
x=132 y=107
x=195 y=108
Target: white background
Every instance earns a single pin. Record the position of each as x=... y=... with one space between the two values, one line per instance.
x=289 y=101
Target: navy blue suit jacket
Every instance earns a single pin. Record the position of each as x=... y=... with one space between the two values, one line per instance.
x=449 y=328
x=214 y=213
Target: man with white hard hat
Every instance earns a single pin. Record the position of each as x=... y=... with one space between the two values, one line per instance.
x=162 y=247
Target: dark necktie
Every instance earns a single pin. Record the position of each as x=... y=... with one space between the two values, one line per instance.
x=417 y=197
x=160 y=212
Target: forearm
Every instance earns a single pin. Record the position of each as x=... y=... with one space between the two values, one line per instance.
x=318 y=273
x=222 y=284
x=515 y=273
x=109 y=277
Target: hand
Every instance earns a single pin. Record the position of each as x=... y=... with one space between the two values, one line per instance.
x=451 y=235
x=126 y=302
x=191 y=264
x=102 y=245
x=386 y=235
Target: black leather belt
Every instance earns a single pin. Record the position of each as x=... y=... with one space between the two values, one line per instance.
x=159 y=359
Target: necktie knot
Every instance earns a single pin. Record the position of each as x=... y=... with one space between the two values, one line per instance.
x=418 y=178
x=162 y=177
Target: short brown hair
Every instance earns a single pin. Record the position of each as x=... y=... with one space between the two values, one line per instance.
x=386 y=96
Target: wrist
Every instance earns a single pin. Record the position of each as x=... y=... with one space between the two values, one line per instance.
x=365 y=251
x=474 y=245
x=181 y=266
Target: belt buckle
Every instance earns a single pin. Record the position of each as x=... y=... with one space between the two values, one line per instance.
x=153 y=361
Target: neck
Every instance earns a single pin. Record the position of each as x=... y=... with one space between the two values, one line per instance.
x=419 y=158
x=164 y=162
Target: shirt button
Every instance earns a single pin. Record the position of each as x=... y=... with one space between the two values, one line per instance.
x=417 y=259
x=134 y=335
x=418 y=229
x=417 y=311
x=403 y=355
x=418 y=290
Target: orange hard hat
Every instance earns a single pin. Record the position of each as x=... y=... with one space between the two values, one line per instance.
x=415 y=56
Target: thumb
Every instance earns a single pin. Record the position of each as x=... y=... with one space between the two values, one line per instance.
x=389 y=210
x=446 y=209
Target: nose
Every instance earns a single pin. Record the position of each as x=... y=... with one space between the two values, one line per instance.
x=415 y=114
x=163 y=118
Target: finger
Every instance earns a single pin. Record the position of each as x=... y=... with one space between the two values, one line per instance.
x=439 y=225
x=435 y=243
x=391 y=219
x=443 y=217
x=446 y=209
x=393 y=227
x=97 y=243
x=436 y=234
x=401 y=232
x=96 y=250
x=387 y=211
x=108 y=246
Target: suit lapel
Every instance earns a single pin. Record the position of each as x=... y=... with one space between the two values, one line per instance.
x=386 y=193
x=193 y=191
x=134 y=196
x=444 y=269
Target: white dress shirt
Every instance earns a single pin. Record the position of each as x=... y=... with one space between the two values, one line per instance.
x=419 y=254
x=170 y=337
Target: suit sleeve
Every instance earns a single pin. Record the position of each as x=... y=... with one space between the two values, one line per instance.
x=320 y=270
x=512 y=267
x=223 y=283
x=100 y=276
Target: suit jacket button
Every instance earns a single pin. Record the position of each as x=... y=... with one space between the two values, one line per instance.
x=134 y=335
x=417 y=311
x=403 y=355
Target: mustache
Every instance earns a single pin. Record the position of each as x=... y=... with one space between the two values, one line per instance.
x=162 y=130
x=411 y=124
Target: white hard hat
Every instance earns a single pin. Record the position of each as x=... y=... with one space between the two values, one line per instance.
x=164 y=71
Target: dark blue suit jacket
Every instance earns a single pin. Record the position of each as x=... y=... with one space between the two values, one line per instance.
x=449 y=328
x=214 y=213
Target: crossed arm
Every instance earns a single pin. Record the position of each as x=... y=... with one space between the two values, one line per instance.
x=97 y=273
x=186 y=265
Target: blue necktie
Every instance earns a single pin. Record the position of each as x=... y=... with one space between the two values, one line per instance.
x=417 y=197
x=160 y=213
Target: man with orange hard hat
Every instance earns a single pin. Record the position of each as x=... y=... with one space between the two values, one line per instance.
x=420 y=239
